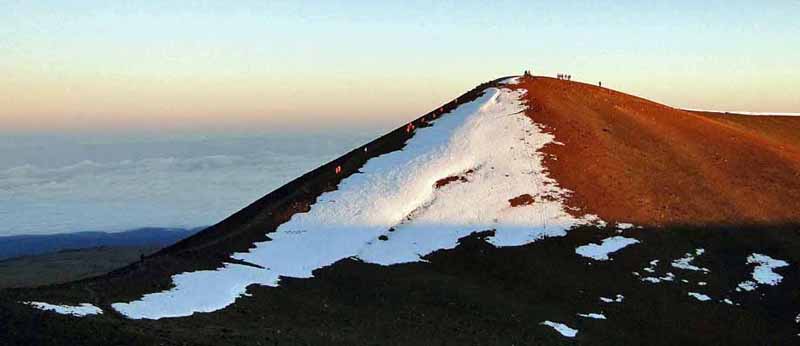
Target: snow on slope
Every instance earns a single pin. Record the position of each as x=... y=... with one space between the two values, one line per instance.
x=699 y=296
x=510 y=81
x=393 y=213
x=77 y=311
x=561 y=328
x=593 y=315
x=763 y=272
x=685 y=262
x=608 y=245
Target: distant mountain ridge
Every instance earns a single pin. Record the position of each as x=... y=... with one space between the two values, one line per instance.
x=28 y=245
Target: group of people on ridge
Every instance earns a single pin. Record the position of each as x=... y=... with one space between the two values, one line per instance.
x=560 y=76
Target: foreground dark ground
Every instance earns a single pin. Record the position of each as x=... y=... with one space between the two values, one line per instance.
x=478 y=294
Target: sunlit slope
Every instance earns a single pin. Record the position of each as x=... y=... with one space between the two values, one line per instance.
x=630 y=159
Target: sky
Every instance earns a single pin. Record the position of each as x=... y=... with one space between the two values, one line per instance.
x=177 y=66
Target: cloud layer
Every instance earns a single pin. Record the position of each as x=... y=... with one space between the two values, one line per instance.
x=186 y=189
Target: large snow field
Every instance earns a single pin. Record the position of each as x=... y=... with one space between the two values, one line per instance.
x=490 y=136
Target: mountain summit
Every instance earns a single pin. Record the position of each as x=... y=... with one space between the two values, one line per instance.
x=529 y=210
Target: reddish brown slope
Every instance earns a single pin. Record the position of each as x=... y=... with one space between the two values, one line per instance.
x=783 y=130
x=631 y=160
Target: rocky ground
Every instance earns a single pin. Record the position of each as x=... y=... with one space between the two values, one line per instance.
x=478 y=294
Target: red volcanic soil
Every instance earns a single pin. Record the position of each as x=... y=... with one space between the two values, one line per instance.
x=628 y=159
x=783 y=130
x=451 y=179
x=444 y=181
x=521 y=200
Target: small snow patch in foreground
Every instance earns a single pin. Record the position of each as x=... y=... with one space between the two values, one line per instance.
x=561 y=328
x=699 y=296
x=655 y=280
x=652 y=267
x=685 y=262
x=618 y=299
x=593 y=315
x=78 y=311
x=746 y=286
x=762 y=274
x=624 y=226
x=609 y=245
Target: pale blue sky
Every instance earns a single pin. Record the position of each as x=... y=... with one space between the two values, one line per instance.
x=87 y=65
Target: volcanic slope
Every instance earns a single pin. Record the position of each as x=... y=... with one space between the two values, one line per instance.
x=529 y=210
x=631 y=159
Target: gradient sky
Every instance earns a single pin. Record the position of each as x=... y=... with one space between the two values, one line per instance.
x=134 y=65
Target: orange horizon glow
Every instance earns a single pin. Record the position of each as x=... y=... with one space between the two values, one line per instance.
x=98 y=66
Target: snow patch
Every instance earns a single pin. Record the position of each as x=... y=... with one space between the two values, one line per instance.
x=652 y=267
x=397 y=191
x=624 y=226
x=510 y=81
x=618 y=299
x=655 y=280
x=561 y=328
x=82 y=310
x=746 y=286
x=593 y=315
x=699 y=296
x=685 y=262
x=609 y=245
x=763 y=272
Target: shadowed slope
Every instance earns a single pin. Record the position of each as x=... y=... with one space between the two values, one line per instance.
x=211 y=248
x=629 y=159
